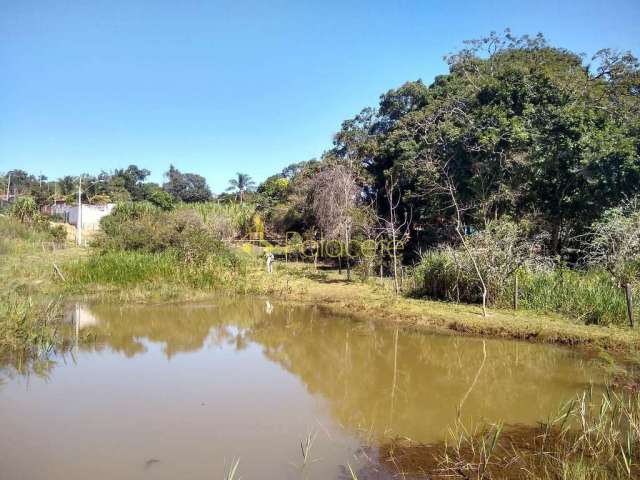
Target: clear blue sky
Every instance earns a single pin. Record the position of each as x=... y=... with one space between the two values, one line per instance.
x=219 y=87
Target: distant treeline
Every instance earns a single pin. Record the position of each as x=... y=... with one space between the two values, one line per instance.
x=518 y=129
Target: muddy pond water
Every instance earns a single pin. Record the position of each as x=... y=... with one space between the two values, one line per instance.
x=182 y=391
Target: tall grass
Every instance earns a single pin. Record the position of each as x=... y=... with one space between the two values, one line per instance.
x=591 y=438
x=126 y=268
x=27 y=325
x=18 y=238
x=29 y=321
x=122 y=268
x=240 y=215
x=30 y=331
x=591 y=296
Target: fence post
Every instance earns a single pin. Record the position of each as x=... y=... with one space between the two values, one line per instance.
x=515 y=292
x=628 y=294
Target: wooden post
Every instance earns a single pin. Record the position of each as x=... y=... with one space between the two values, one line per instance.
x=627 y=289
x=515 y=292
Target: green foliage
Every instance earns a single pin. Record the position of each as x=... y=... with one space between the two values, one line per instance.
x=127 y=268
x=228 y=219
x=27 y=329
x=242 y=184
x=499 y=250
x=523 y=129
x=123 y=268
x=274 y=190
x=188 y=187
x=17 y=237
x=614 y=242
x=591 y=296
x=25 y=210
x=161 y=199
x=185 y=242
x=504 y=251
x=26 y=223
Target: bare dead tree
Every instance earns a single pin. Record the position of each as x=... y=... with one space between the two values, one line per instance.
x=444 y=184
x=396 y=232
x=436 y=159
x=335 y=196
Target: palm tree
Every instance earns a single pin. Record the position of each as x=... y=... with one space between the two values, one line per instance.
x=242 y=183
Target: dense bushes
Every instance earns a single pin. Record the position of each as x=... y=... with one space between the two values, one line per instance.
x=499 y=250
x=27 y=328
x=591 y=296
x=144 y=227
x=505 y=250
x=141 y=242
x=614 y=242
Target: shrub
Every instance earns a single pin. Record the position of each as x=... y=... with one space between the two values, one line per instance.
x=25 y=210
x=27 y=329
x=162 y=199
x=591 y=296
x=502 y=248
x=16 y=234
x=614 y=242
x=141 y=242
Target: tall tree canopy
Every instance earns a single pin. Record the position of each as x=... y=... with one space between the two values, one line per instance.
x=188 y=187
x=523 y=129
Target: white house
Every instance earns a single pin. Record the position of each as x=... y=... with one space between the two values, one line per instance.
x=91 y=214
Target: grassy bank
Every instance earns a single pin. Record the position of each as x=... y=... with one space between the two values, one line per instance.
x=592 y=437
x=160 y=277
x=31 y=317
x=375 y=300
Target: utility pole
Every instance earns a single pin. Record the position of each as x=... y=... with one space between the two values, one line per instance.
x=8 y=186
x=79 y=217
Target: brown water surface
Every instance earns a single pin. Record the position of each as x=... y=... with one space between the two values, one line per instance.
x=180 y=392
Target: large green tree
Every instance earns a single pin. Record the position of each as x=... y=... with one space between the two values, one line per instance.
x=188 y=187
x=520 y=127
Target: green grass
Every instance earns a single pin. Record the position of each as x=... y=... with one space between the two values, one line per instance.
x=240 y=215
x=589 y=296
x=26 y=325
x=591 y=438
x=120 y=270
x=30 y=310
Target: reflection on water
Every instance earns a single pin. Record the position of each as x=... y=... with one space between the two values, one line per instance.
x=181 y=391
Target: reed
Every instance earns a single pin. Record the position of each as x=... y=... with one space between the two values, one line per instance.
x=591 y=296
x=29 y=332
x=593 y=437
x=305 y=447
x=232 y=471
